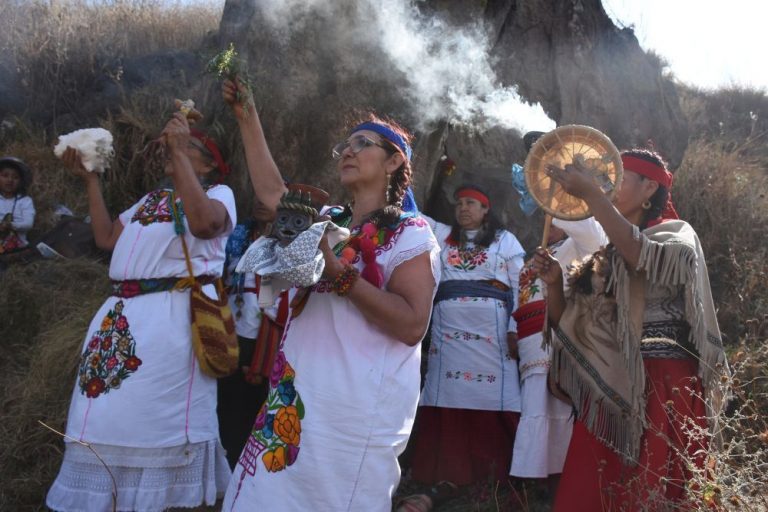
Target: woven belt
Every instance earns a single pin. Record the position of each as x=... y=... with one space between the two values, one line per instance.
x=135 y=287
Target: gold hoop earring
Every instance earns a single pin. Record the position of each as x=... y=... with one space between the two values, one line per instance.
x=646 y=205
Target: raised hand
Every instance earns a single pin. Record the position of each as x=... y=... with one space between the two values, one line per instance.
x=73 y=162
x=547 y=267
x=575 y=179
x=237 y=95
x=176 y=132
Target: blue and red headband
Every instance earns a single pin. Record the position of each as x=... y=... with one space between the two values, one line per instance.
x=388 y=133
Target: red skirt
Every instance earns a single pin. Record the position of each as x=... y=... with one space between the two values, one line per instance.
x=594 y=477
x=462 y=446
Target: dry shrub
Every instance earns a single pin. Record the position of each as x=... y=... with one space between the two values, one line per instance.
x=46 y=308
x=61 y=48
x=721 y=189
x=722 y=193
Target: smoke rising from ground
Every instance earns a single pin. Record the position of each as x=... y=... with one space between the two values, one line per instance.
x=447 y=72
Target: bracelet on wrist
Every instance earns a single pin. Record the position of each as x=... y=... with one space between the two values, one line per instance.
x=343 y=282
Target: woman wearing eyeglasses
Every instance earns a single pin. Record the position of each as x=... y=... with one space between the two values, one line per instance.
x=345 y=384
x=139 y=398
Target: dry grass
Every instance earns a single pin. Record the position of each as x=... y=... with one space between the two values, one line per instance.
x=42 y=328
x=59 y=47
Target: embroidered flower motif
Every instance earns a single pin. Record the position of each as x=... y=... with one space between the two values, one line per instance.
x=277 y=429
x=269 y=426
x=287 y=425
x=124 y=343
x=470 y=377
x=155 y=208
x=261 y=419
x=94 y=387
x=277 y=369
x=121 y=324
x=529 y=285
x=132 y=363
x=105 y=364
x=287 y=392
x=274 y=460
x=466 y=259
x=94 y=343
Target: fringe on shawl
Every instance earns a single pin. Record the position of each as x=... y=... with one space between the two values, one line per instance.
x=670 y=255
x=680 y=261
x=615 y=426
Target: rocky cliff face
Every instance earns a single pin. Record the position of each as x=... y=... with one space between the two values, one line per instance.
x=312 y=65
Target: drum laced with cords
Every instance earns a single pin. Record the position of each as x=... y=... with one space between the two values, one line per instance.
x=570 y=144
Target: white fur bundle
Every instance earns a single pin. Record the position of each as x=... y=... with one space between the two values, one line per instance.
x=93 y=144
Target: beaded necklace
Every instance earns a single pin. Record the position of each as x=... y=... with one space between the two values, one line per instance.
x=365 y=240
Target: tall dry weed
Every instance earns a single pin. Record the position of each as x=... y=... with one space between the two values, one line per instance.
x=60 y=48
x=63 y=52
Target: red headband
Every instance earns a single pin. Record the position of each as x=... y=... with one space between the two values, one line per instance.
x=211 y=146
x=474 y=194
x=648 y=169
x=657 y=173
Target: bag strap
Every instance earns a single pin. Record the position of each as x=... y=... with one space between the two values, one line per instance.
x=178 y=226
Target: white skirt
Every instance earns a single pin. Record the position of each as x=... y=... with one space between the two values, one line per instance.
x=543 y=433
x=147 y=479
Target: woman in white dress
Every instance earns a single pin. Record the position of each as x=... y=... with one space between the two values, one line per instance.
x=345 y=384
x=546 y=422
x=140 y=399
x=470 y=403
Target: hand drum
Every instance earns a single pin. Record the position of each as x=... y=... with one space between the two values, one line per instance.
x=563 y=146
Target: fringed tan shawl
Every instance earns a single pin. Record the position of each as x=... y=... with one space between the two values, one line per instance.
x=596 y=346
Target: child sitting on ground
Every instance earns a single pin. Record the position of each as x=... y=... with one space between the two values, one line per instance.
x=17 y=212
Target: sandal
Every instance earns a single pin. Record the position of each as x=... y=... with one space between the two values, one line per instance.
x=436 y=495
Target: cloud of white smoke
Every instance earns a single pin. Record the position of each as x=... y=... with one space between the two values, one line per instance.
x=448 y=70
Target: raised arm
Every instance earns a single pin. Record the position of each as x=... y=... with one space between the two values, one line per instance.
x=578 y=182
x=207 y=218
x=266 y=180
x=105 y=230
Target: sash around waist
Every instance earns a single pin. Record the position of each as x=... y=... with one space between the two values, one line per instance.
x=134 y=287
x=530 y=318
x=455 y=288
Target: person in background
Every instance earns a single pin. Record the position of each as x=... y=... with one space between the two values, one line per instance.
x=545 y=422
x=470 y=403
x=259 y=330
x=17 y=211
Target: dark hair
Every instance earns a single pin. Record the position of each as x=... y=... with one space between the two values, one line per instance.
x=530 y=138
x=659 y=198
x=487 y=232
x=25 y=175
x=400 y=180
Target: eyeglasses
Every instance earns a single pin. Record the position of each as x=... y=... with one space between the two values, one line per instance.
x=356 y=144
